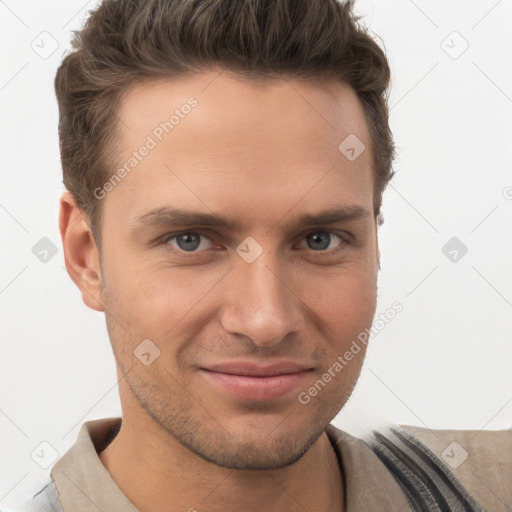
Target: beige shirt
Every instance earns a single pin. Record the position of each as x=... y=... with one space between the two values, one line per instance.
x=84 y=484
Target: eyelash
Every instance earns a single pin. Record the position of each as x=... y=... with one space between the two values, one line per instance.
x=164 y=241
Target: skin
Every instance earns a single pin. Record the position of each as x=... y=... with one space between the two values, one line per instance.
x=264 y=154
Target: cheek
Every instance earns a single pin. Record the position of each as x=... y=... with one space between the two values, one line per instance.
x=343 y=308
x=347 y=293
x=162 y=297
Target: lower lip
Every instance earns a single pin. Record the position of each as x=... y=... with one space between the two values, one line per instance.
x=256 y=388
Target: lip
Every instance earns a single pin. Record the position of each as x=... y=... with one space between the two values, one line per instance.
x=254 y=370
x=251 y=381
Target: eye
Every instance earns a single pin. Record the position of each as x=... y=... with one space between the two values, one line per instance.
x=320 y=240
x=193 y=242
x=187 y=242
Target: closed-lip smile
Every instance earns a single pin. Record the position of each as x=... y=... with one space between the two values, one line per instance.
x=257 y=382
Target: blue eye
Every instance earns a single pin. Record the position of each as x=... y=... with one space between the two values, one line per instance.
x=193 y=242
x=321 y=239
x=187 y=242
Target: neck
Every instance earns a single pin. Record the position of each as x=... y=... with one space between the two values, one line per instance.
x=157 y=473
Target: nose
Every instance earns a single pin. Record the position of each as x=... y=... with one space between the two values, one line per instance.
x=259 y=302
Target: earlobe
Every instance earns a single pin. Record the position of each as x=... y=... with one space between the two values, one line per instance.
x=80 y=252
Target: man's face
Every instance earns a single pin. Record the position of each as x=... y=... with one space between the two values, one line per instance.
x=261 y=156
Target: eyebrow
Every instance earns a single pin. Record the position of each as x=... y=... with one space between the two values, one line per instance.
x=167 y=216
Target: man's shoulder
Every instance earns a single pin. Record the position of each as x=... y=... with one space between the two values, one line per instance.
x=44 y=500
x=481 y=460
x=456 y=447
x=458 y=470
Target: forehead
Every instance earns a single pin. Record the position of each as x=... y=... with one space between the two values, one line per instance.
x=216 y=138
x=234 y=105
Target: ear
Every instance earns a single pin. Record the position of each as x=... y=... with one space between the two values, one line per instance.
x=80 y=252
x=379 y=222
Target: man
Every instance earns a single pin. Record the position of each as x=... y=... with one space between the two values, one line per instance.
x=224 y=164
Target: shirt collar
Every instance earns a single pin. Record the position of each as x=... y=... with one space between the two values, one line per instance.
x=82 y=481
x=84 y=484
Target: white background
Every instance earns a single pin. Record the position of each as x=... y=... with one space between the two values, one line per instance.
x=443 y=362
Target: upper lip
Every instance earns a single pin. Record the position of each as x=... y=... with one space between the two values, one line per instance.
x=248 y=368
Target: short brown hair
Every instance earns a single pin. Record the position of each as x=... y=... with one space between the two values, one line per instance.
x=125 y=42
